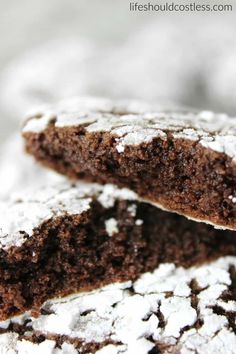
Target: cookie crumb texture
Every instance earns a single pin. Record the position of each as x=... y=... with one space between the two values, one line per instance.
x=183 y=162
x=169 y=310
x=62 y=239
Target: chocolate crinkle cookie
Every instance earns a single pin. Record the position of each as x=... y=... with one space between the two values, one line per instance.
x=179 y=160
x=169 y=310
x=61 y=239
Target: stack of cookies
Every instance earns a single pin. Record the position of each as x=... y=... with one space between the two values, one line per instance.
x=133 y=253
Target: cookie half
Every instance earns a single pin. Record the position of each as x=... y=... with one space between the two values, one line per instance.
x=170 y=310
x=67 y=238
x=180 y=161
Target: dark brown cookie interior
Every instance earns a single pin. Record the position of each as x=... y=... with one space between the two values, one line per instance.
x=181 y=175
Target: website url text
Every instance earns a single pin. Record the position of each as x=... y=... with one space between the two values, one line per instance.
x=168 y=7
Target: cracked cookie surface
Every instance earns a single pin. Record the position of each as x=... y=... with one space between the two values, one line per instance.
x=170 y=310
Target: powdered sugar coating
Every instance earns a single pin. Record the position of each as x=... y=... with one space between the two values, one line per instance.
x=111 y=226
x=9 y=344
x=138 y=125
x=28 y=210
x=135 y=316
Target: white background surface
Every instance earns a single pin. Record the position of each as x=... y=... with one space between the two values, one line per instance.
x=27 y=24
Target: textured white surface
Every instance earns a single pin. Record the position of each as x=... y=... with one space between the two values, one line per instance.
x=71 y=66
x=218 y=45
x=152 y=56
x=29 y=209
x=132 y=124
x=188 y=59
x=157 y=61
x=221 y=86
x=129 y=313
x=9 y=344
x=52 y=71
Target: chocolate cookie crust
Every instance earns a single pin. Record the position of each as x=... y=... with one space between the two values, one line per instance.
x=69 y=238
x=182 y=162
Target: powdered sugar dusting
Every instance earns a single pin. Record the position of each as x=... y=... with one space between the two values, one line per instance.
x=132 y=123
x=232 y=198
x=111 y=226
x=135 y=316
x=28 y=210
x=9 y=344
